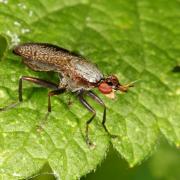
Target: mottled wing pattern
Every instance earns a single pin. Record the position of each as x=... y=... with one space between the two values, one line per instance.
x=43 y=56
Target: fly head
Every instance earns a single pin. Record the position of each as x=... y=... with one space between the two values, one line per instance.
x=111 y=84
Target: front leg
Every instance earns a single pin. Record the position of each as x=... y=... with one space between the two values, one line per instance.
x=99 y=100
x=89 y=108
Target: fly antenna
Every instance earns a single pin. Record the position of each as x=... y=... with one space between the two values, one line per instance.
x=131 y=84
x=124 y=88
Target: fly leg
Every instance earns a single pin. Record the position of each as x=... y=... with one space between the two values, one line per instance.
x=38 y=81
x=34 y=80
x=89 y=108
x=50 y=94
x=42 y=83
x=53 y=93
x=99 y=100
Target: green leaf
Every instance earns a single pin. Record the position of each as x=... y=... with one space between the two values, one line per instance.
x=3 y=46
x=133 y=39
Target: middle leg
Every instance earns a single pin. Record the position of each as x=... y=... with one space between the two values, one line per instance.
x=89 y=108
x=53 y=93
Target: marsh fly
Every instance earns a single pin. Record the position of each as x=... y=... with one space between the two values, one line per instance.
x=76 y=75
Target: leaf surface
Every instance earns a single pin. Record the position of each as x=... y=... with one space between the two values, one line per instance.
x=136 y=40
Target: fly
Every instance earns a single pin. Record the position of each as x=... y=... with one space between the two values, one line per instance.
x=76 y=75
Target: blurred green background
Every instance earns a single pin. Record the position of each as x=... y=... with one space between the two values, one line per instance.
x=163 y=165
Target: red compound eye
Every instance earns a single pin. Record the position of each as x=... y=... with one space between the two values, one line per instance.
x=105 y=88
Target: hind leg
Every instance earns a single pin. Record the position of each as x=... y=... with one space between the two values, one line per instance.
x=34 y=80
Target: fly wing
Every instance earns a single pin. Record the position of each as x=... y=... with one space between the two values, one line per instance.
x=87 y=71
x=44 y=57
x=48 y=57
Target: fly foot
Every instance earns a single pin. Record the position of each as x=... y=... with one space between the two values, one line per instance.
x=90 y=144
